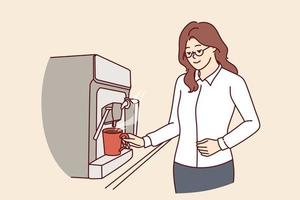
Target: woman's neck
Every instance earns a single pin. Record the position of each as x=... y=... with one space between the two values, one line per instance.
x=209 y=68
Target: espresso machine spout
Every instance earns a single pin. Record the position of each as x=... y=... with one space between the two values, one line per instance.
x=114 y=111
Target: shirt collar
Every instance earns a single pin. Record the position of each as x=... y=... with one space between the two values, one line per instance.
x=210 y=78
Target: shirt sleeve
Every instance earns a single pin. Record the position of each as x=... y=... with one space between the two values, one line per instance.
x=147 y=141
x=171 y=129
x=241 y=97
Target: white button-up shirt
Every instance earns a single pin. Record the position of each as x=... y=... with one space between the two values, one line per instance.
x=206 y=113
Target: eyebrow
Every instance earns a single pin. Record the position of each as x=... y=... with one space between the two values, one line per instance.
x=195 y=46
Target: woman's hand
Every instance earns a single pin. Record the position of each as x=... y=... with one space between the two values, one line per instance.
x=135 y=141
x=208 y=147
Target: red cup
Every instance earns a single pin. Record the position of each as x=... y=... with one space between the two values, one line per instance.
x=112 y=140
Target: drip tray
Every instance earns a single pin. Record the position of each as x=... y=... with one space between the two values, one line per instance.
x=105 y=165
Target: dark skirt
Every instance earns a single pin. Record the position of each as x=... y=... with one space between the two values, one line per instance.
x=196 y=179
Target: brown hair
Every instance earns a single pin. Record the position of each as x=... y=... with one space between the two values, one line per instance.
x=208 y=35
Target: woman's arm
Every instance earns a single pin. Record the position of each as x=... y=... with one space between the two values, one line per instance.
x=240 y=95
x=171 y=129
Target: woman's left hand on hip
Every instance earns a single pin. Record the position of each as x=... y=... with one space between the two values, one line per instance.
x=208 y=147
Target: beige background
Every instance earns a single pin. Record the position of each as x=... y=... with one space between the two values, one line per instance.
x=263 y=43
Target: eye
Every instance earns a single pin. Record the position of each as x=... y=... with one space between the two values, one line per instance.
x=188 y=53
x=199 y=51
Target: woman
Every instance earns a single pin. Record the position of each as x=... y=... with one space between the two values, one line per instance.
x=203 y=103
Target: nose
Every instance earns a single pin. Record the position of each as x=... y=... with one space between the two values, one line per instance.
x=193 y=55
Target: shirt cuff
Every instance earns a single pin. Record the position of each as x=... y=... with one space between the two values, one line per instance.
x=222 y=144
x=147 y=141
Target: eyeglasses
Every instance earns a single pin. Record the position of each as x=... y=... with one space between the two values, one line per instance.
x=199 y=52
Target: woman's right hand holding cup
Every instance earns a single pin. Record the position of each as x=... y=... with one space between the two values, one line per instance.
x=135 y=141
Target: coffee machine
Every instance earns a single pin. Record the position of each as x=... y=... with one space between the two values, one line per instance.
x=82 y=95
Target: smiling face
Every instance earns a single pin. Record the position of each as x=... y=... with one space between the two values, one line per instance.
x=198 y=54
